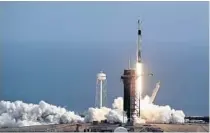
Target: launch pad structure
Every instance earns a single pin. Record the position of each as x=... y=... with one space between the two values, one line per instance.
x=129 y=80
x=129 y=105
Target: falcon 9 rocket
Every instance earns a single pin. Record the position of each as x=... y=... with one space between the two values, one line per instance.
x=139 y=60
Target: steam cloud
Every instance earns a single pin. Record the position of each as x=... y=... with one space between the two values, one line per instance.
x=111 y=115
x=17 y=114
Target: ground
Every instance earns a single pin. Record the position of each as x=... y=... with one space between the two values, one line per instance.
x=88 y=127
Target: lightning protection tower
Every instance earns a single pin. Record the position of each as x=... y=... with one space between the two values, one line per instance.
x=101 y=90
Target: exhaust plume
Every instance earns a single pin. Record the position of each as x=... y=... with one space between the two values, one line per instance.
x=18 y=114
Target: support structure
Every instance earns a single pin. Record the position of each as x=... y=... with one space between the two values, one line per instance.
x=129 y=105
x=101 y=90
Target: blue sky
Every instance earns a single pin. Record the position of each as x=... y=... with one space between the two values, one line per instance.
x=52 y=51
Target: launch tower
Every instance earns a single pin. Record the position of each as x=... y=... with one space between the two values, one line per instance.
x=129 y=105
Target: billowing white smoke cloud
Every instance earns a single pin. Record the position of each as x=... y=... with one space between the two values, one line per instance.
x=160 y=114
x=16 y=114
x=150 y=113
x=116 y=114
x=111 y=115
x=96 y=114
x=118 y=103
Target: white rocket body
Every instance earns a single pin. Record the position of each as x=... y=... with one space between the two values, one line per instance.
x=139 y=43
